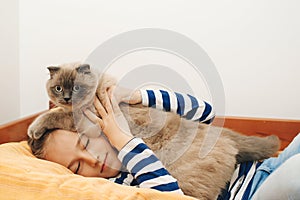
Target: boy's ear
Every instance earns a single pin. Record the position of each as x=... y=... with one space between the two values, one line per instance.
x=84 y=68
x=53 y=70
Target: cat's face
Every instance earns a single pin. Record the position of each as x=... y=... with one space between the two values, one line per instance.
x=71 y=85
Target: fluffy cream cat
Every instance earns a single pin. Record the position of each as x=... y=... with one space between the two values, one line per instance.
x=201 y=157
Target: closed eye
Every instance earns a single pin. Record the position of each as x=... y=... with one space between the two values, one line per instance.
x=87 y=143
x=84 y=140
x=78 y=167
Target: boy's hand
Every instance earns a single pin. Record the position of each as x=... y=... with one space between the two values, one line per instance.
x=112 y=121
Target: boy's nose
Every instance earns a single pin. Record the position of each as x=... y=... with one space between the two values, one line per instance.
x=90 y=160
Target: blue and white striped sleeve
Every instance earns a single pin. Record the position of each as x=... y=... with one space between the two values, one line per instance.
x=146 y=168
x=241 y=181
x=184 y=105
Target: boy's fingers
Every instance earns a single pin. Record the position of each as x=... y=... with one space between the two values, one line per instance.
x=107 y=103
x=93 y=118
x=100 y=109
x=115 y=105
x=110 y=91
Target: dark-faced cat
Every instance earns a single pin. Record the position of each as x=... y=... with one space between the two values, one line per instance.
x=71 y=88
x=201 y=157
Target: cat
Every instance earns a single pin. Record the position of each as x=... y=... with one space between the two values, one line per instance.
x=201 y=157
x=71 y=87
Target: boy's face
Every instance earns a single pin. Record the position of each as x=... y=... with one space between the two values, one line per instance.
x=74 y=152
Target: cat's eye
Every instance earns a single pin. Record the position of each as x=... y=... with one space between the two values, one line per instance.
x=58 y=88
x=76 y=88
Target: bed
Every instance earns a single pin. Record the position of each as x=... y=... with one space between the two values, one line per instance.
x=22 y=176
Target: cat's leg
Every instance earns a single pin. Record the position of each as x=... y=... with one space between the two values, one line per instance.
x=52 y=119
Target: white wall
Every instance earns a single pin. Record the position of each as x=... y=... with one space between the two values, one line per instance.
x=9 y=59
x=254 y=44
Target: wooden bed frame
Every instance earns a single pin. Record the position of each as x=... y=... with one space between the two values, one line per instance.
x=286 y=130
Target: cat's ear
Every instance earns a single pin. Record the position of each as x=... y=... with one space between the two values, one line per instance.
x=53 y=70
x=84 y=68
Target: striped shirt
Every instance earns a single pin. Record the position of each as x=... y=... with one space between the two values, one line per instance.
x=241 y=182
x=141 y=167
x=185 y=105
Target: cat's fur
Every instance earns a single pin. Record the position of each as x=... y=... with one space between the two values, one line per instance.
x=201 y=157
x=70 y=103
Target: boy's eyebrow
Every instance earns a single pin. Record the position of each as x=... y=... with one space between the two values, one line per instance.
x=74 y=160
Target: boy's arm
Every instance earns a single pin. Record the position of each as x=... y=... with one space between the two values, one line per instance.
x=184 y=105
x=146 y=168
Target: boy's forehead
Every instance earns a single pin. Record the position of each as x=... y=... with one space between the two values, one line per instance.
x=61 y=147
x=64 y=138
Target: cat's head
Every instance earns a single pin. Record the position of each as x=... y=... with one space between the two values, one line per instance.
x=72 y=85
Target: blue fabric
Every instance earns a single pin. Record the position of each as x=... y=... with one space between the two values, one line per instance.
x=209 y=121
x=182 y=100
x=152 y=99
x=121 y=179
x=243 y=173
x=180 y=104
x=137 y=150
x=195 y=106
x=128 y=176
x=271 y=164
x=166 y=100
x=152 y=174
x=206 y=112
x=247 y=192
x=134 y=182
x=167 y=187
x=143 y=163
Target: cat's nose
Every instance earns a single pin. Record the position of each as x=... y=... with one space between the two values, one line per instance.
x=67 y=99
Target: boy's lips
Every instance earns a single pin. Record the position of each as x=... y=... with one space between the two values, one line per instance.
x=103 y=164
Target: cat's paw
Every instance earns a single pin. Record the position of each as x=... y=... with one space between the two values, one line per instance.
x=36 y=132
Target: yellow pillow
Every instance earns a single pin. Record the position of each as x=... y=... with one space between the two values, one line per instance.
x=22 y=176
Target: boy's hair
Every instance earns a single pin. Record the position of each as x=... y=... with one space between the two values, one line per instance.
x=37 y=146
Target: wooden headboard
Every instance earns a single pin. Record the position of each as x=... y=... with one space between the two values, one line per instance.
x=286 y=130
x=16 y=131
